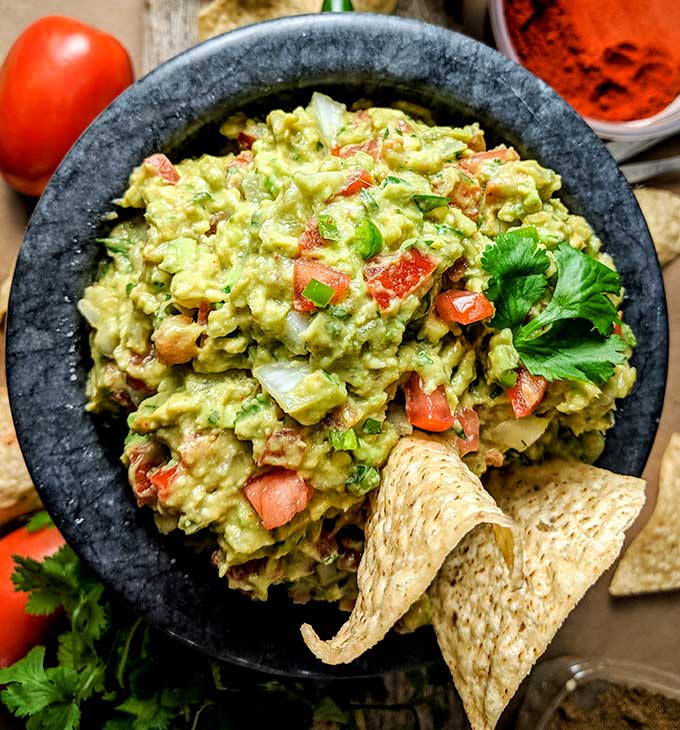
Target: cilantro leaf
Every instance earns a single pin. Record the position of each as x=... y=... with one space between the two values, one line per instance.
x=31 y=688
x=580 y=293
x=568 y=351
x=517 y=267
x=38 y=521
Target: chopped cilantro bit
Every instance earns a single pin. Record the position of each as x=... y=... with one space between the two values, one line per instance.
x=443 y=229
x=371 y=426
x=115 y=245
x=253 y=405
x=200 y=198
x=343 y=440
x=364 y=479
x=368 y=200
x=426 y=203
x=213 y=418
x=328 y=228
x=386 y=133
x=393 y=180
x=318 y=293
x=338 y=312
x=129 y=287
x=368 y=240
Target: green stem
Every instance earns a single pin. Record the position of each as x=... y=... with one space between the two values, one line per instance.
x=337 y=6
x=126 y=651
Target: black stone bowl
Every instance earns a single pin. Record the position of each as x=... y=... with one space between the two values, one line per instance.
x=74 y=459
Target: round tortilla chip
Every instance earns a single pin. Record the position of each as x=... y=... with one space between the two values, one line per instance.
x=17 y=493
x=223 y=15
x=427 y=502
x=571 y=519
x=661 y=209
x=652 y=561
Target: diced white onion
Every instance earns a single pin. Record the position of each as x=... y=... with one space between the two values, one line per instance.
x=517 y=434
x=329 y=115
x=280 y=378
x=296 y=325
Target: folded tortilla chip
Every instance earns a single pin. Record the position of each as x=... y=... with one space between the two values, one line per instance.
x=222 y=15
x=427 y=502
x=17 y=494
x=571 y=518
x=652 y=562
x=661 y=209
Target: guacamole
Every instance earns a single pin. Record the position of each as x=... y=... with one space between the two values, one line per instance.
x=272 y=320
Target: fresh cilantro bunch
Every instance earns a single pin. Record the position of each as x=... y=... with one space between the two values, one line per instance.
x=572 y=337
x=110 y=670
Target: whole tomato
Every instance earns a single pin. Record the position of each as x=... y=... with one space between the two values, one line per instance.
x=18 y=630
x=59 y=74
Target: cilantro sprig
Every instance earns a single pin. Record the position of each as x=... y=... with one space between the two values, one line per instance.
x=113 y=671
x=571 y=338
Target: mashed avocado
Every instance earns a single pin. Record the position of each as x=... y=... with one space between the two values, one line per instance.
x=274 y=319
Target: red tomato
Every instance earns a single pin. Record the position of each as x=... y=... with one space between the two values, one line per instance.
x=19 y=631
x=473 y=163
x=56 y=78
x=355 y=182
x=467 y=196
x=143 y=459
x=310 y=238
x=429 y=411
x=162 y=479
x=278 y=496
x=203 y=313
x=527 y=393
x=468 y=420
x=391 y=279
x=464 y=307
x=372 y=148
x=160 y=165
x=246 y=141
x=304 y=270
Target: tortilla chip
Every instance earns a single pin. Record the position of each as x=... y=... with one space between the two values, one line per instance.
x=661 y=209
x=17 y=494
x=4 y=296
x=652 y=562
x=570 y=518
x=427 y=502
x=223 y=15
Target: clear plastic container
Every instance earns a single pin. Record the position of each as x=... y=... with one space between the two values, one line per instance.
x=663 y=124
x=582 y=680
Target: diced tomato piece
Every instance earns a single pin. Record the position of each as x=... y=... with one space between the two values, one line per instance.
x=162 y=166
x=278 y=496
x=429 y=411
x=162 y=478
x=494 y=457
x=246 y=141
x=463 y=307
x=355 y=182
x=284 y=447
x=372 y=148
x=468 y=420
x=527 y=393
x=467 y=196
x=404 y=127
x=473 y=164
x=203 y=312
x=311 y=238
x=391 y=279
x=243 y=159
x=143 y=459
x=304 y=270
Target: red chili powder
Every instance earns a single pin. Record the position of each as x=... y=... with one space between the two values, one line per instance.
x=611 y=59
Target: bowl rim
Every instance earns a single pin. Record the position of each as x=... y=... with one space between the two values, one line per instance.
x=32 y=338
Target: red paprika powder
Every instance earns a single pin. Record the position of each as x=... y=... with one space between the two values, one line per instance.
x=611 y=59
